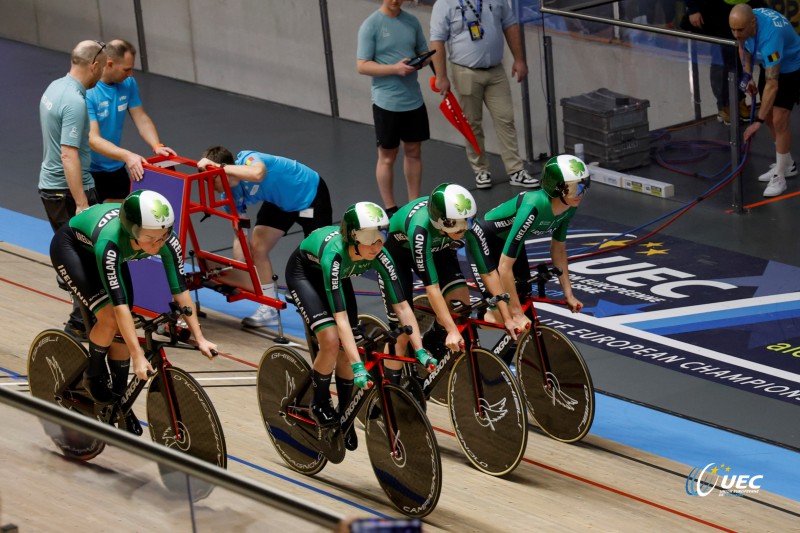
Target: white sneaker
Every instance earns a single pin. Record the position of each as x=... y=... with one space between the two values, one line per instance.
x=264 y=316
x=766 y=176
x=776 y=186
x=483 y=180
x=523 y=179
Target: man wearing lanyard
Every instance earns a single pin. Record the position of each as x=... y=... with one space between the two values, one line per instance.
x=767 y=36
x=474 y=31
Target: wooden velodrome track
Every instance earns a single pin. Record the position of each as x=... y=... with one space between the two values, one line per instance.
x=596 y=484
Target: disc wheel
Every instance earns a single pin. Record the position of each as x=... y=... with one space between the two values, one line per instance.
x=487 y=411
x=403 y=451
x=562 y=404
x=280 y=373
x=56 y=362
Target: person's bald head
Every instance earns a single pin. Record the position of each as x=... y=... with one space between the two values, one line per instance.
x=742 y=22
x=87 y=52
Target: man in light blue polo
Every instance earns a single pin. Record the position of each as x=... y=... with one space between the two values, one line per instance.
x=474 y=31
x=65 y=185
x=115 y=96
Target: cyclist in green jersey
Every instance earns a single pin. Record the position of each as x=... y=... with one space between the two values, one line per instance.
x=317 y=275
x=423 y=238
x=90 y=253
x=565 y=179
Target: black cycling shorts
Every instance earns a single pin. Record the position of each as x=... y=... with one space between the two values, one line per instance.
x=521 y=267
x=391 y=127
x=77 y=267
x=307 y=287
x=273 y=216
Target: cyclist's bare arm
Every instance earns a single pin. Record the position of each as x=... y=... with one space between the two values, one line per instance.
x=506 y=273
x=184 y=299
x=558 y=252
x=439 y=305
x=406 y=317
x=127 y=330
x=495 y=286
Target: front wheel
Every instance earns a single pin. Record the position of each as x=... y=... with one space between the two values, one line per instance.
x=56 y=362
x=560 y=400
x=487 y=411
x=403 y=451
x=280 y=375
x=180 y=416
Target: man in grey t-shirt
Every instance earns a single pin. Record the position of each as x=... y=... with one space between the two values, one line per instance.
x=65 y=185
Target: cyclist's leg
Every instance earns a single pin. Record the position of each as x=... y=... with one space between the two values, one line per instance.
x=344 y=372
x=306 y=287
x=405 y=276
x=451 y=279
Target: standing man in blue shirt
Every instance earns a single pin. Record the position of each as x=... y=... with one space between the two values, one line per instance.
x=116 y=95
x=474 y=32
x=766 y=36
x=387 y=40
x=65 y=184
x=290 y=191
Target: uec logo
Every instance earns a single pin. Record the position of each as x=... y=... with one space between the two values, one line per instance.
x=699 y=482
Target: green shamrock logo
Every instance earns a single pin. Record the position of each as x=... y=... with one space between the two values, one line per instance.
x=374 y=212
x=577 y=167
x=463 y=204
x=160 y=211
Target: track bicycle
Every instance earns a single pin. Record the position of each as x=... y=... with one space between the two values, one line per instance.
x=179 y=413
x=484 y=399
x=556 y=381
x=402 y=448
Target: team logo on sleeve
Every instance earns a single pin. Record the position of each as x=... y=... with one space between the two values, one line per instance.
x=250 y=160
x=774 y=57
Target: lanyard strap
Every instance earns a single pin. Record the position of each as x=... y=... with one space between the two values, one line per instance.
x=476 y=12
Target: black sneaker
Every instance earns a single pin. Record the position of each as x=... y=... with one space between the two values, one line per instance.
x=351 y=439
x=76 y=329
x=324 y=414
x=97 y=388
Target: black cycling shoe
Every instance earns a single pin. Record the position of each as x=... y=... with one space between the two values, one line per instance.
x=351 y=439
x=132 y=424
x=324 y=414
x=97 y=388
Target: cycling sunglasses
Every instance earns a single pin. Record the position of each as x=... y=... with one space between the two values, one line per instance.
x=371 y=236
x=452 y=225
x=574 y=189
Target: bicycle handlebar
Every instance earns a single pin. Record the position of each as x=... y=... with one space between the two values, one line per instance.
x=171 y=317
x=462 y=309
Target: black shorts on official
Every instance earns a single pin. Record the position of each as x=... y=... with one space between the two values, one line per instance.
x=114 y=185
x=788 y=89
x=273 y=216
x=60 y=205
x=391 y=127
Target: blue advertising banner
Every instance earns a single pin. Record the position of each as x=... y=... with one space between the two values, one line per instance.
x=150 y=288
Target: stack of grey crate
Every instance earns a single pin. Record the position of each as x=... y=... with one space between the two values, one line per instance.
x=612 y=127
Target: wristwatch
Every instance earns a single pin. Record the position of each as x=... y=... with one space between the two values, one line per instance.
x=759 y=120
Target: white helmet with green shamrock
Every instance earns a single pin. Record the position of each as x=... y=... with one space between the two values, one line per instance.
x=364 y=223
x=451 y=208
x=144 y=209
x=565 y=176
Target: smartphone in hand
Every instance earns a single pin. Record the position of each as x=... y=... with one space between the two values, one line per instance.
x=419 y=60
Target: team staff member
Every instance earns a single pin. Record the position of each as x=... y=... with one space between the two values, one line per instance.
x=290 y=191
x=421 y=239
x=90 y=253
x=317 y=274
x=766 y=36
x=116 y=95
x=65 y=184
x=565 y=180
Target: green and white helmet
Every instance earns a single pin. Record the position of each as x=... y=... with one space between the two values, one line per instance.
x=145 y=210
x=451 y=208
x=364 y=223
x=565 y=175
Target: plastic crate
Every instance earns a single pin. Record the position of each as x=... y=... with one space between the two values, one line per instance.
x=605 y=110
x=603 y=152
x=609 y=138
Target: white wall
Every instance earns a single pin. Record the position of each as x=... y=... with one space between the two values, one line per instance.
x=273 y=49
